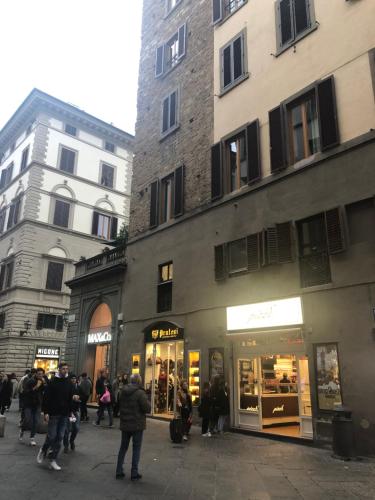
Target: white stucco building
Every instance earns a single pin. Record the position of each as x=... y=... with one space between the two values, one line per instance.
x=65 y=180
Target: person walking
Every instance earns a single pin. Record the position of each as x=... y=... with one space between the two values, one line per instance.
x=105 y=398
x=185 y=406
x=13 y=379
x=214 y=392
x=56 y=406
x=117 y=386
x=5 y=393
x=134 y=405
x=222 y=405
x=32 y=403
x=73 y=424
x=205 y=409
x=85 y=386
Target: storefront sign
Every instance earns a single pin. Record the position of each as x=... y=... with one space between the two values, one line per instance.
x=163 y=332
x=47 y=352
x=280 y=406
x=284 y=312
x=99 y=338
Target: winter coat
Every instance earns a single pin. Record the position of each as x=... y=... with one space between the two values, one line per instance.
x=134 y=406
x=33 y=396
x=222 y=402
x=101 y=385
x=85 y=387
x=6 y=392
x=205 y=406
x=184 y=401
x=58 y=397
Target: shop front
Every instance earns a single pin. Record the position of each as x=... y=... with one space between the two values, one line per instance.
x=271 y=368
x=47 y=357
x=98 y=347
x=164 y=366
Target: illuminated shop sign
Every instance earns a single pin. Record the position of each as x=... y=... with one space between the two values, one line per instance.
x=99 y=338
x=47 y=352
x=163 y=332
x=265 y=315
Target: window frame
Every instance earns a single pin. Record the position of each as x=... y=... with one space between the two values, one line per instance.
x=244 y=75
x=25 y=158
x=109 y=149
x=68 y=201
x=166 y=210
x=73 y=130
x=7 y=172
x=227 y=162
x=173 y=128
x=223 y=16
x=163 y=49
x=239 y=270
x=6 y=276
x=169 y=10
x=16 y=203
x=75 y=151
x=47 y=275
x=165 y=286
x=58 y=322
x=114 y=168
x=280 y=48
x=111 y=217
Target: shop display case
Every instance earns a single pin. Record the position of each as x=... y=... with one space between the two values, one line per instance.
x=136 y=360
x=194 y=376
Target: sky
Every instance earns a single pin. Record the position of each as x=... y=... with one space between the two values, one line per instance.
x=84 y=52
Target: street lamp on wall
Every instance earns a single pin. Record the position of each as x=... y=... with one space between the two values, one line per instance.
x=66 y=317
x=27 y=325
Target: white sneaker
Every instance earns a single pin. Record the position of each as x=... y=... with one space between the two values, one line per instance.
x=185 y=438
x=209 y=434
x=54 y=466
x=40 y=456
x=20 y=438
x=32 y=442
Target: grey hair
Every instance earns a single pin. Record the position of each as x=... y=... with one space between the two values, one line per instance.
x=135 y=379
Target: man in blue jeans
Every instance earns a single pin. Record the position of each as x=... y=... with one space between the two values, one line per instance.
x=57 y=407
x=32 y=402
x=134 y=406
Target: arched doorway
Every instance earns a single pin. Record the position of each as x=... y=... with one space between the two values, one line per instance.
x=99 y=340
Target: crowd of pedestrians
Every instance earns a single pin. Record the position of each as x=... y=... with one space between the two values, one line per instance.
x=61 y=400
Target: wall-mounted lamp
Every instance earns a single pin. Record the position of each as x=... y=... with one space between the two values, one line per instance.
x=66 y=317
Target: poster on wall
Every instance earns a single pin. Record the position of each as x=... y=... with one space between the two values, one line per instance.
x=216 y=362
x=328 y=376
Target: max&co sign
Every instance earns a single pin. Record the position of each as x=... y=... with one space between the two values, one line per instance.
x=99 y=338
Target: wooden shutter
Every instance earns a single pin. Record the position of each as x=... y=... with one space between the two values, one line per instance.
x=181 y=41
x=253 y=252
x=114 y=225
x=220 y=262
x=217 y=11
x=17 y=205
x=277 y=146
x=272 y=253
x=165 y=125
x=284 y=242
x=9 y=174
x=284 y=21
x=216 y=172
x=59 y=323
x=2 y=276
x=301 y=16
x=95 y=223
x=10 y=216
x=253 y=152
x=329 y=132
x=159 y=64
x=61 y=215
x=335 y=231
x=3 y=178
x=179 y=191
x=154 y=204
x=173 y=109
x=9 y=274
x=54 y=276
x=2 y=220
x=40 y=321
x=67 y=160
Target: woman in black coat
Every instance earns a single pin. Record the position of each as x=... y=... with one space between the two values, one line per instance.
x=205 y=409
x=6 y=389
x=222 y=402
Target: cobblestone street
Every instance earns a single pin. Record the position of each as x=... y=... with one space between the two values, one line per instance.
x=233 y=466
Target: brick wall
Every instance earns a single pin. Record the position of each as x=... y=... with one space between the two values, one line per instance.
x=190 y=144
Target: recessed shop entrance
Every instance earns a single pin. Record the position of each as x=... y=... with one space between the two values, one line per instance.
x=274 y=394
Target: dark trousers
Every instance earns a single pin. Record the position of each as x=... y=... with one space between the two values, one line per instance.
x=205 y=424
x=100 y=413
x=83 y=405
x=137 y=444
x=71 y=430
x=55 y=435
x=185 y=414
x=30 y=420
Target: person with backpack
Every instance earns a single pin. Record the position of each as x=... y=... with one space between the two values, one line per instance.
x=105 y=398
x=185 y=406
x=205 y=410
x=32 y=403
x=134 y=405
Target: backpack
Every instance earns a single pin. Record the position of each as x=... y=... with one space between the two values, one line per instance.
x=106 y=398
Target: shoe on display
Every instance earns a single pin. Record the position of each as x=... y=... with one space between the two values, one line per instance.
x=20 y=437
x=54 y=466
x=32 y=442
x=136 y=477
x=41 y=456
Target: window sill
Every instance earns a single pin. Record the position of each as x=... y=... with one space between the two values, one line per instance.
x=234 y=84
x=169 y=132
x=317 y=288
x=169 y=70
x=288 y=46
x=230 y=15
x=170 y=12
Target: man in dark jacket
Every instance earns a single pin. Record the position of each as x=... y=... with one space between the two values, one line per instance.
x=134 y=406
x=32 y=402
x=5 y=393
x=57 y=407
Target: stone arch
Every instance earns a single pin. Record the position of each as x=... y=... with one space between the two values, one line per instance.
x=105 y=204
x=58 y=251
x=63 y=190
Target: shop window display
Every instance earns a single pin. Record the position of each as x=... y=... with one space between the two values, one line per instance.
x=247 y=375
x=136 y=359
x=194 y=376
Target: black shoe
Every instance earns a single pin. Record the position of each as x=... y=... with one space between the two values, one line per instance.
x=72 y=446
x=66 y=449
x=120 y=475
x=136 y=477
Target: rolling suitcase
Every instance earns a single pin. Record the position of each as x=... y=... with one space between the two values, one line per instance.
x=175 y=430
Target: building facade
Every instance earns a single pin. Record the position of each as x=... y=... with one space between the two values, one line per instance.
x=65 y=192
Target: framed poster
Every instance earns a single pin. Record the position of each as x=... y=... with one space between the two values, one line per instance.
x=328 y=383
x=216 y=362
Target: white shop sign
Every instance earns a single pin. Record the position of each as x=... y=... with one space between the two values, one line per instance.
x=99 y=338
x=265 y=315
x=47 y=352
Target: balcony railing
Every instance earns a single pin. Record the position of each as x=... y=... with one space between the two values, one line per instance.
x=105 y=259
